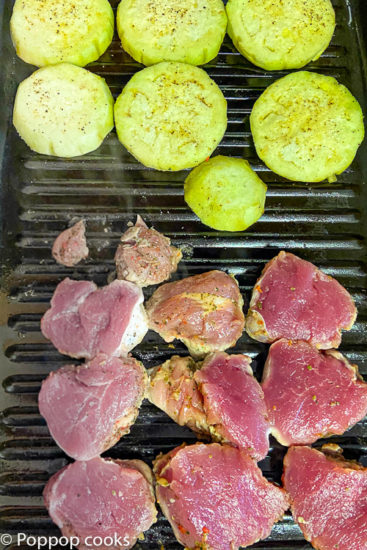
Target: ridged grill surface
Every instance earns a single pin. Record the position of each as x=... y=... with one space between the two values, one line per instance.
x=40 y=196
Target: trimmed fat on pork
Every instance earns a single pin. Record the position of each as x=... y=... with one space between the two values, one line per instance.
x=293 y=299
x=216 y=498
x=111 y=499
x=70 y=247
x=328 y=498
x=145 y=256
x=89 y=407
x=219 y=397
x=310 y=393
x=84 y=320
x=203 y=311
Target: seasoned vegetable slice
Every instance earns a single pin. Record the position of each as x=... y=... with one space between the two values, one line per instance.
x=307 y=127
x=281 y=35
x=225 y=193
x=190 y=31
x=46 y=32
x=63 y=110
x=171 y=116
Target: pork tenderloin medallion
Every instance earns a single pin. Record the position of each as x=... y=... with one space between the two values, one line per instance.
x=311 y=393
x=216 y=498
x=89 y=407
x=110 y=499
x=219 y=397
x=84 y=320
x=328 y=497
x=70 y=247
x=203 y=311
x=145 y=257
x=293 y=299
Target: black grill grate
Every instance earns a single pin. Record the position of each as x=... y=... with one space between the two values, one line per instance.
x=323 y=223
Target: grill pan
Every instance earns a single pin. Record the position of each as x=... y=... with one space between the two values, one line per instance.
x=40 y=196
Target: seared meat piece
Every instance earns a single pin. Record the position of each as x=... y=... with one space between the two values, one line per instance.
x=173 y=389
x=328 y=498
x=145 y=257
x=219 y=397
x=293 y=299
x=84 y=320
x=203 y=311
x=216 y=498
x=102 y=498
x=310 y=393
x=89 y=407
x=70 y=247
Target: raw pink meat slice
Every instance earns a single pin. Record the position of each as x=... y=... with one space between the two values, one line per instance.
x=328 y=498
x=310 y=393
x=215 y=497
x=84 y=321
x=293 y=299
x=234 y=402
x=102 y=498
x=89 y=407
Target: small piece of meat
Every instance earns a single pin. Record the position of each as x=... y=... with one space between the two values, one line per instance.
x=310 y=393
x=70 y=247
x=203 y=311
x=84 y=320
x=216 y=498
x=219 y=397
x=89 y=407
x=145 y=257
x=328 y=498
x=172 y=388
x=293 y=299
x=102 y=498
